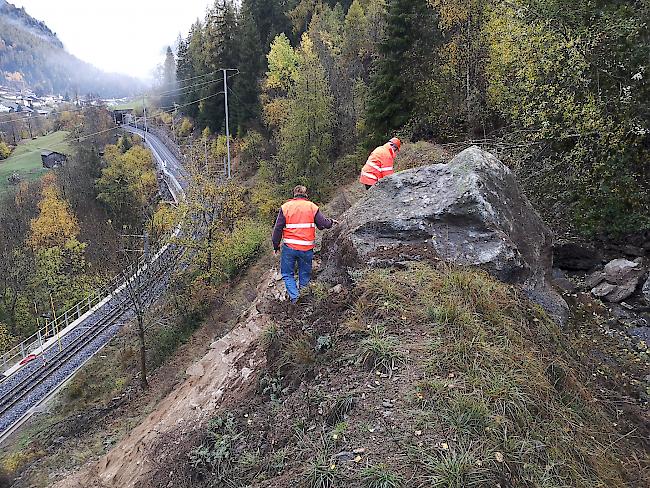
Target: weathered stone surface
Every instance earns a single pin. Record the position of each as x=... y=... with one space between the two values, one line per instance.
x=561 y=281
x=622 y=271
x=575 y=257
x=619 y=280
x=646 y=290
x=470 y=211
x=595 y=279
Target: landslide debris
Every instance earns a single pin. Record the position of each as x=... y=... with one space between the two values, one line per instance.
x=413 y=376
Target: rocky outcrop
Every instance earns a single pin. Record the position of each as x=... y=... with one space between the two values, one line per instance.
x=646 y=290
x=470 y=211
x=617 y=281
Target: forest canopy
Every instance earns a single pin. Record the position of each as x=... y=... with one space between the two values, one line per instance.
x=558 y=88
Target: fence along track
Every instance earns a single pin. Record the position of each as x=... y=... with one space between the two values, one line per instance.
x=34 y=379
x=31 y=382
x=47 y=336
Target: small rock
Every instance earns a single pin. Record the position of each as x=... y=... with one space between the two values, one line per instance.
x=195 y=370
x=344 y=456
x=622 y=271
x=336 y=289
x=387 y=404
x=640 y=333
x=603 y=290
x=595 y=279
x=560 y=280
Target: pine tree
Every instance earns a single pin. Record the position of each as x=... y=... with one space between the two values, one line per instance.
x=250 y=65
x=169 y=79
x=221 y=50
x=306 y=140
x=390 y=102
x=191 y=65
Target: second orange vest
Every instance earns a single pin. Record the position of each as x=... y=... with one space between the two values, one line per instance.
x=379 y=165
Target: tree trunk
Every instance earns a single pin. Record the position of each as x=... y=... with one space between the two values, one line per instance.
x=143 y=353
x=210 y=249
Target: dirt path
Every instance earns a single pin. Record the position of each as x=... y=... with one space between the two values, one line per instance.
x=226 y=367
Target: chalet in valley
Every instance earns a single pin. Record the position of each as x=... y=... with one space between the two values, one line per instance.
x=53 y=159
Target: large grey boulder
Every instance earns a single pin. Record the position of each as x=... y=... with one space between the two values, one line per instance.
x=470 y=211
x=617 y=281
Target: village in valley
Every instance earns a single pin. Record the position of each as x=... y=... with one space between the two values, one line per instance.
x=31 y=142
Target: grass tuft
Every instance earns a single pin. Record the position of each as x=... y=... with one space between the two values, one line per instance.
x=380 y=476
x=299 y=352
x=321 y=473
x=456 y=468
x=380 y=352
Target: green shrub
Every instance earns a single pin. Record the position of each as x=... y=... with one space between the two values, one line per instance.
x=251 y=151
x=266 y=200
x=5 y=150
x=236 y=251
x=167 y=339
x=186 y=127
x=6 y=340
x=215 y=457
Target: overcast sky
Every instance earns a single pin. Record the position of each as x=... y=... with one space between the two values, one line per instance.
x=123 y=36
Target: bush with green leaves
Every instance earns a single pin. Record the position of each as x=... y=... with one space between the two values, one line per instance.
x=215 y=457
x=236 y=251
x=5 y=150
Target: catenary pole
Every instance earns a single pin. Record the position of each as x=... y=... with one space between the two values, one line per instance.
x=225 y=91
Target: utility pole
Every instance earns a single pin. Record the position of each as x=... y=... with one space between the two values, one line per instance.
x=225 y=91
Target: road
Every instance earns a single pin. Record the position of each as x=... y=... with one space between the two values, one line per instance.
x=37 y=381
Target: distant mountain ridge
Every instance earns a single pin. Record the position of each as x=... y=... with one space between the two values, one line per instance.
x=32 y=56
x=20 y=17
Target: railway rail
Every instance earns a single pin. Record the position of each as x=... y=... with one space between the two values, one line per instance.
x=25 y=387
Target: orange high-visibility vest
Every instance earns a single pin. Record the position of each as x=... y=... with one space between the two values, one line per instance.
x=299 y=233
x=379 y=165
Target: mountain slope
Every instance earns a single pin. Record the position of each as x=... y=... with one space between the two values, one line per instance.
x=31 y=55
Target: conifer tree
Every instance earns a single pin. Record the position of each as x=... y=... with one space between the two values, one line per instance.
x=306 y=136
x=221 y=50
x=250 y=65
x=169 y=79
x=390 y=102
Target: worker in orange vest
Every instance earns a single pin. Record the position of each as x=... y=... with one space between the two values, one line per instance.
x=296 y=226
x=380 y=163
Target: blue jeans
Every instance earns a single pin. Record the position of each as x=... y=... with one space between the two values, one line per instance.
x=287 y=267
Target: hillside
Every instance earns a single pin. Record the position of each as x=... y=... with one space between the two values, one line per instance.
x=32 y=56
x=415 y=372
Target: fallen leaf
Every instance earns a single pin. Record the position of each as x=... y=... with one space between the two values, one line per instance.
x=499 y=456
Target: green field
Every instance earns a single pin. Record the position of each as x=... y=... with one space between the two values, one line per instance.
x=135 y=104
x=26 y=158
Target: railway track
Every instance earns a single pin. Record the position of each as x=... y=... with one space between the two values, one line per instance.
x=37 y=381
x=19 y=403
